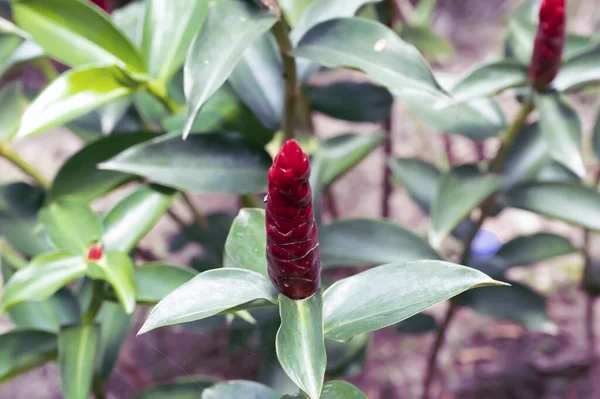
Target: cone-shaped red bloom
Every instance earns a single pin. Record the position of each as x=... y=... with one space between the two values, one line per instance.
x=292 y=241
x=103 y=4
x=549 y=44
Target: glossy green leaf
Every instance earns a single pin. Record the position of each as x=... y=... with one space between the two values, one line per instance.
x=490 y=78
x=79 y=176
x=77 y=348
x=580 y=70
x=43 y=276
x=561 y=128
x=217 y=49
x=555 y=171
x=117 y=269
x=185 y=388
x=294 y=9
x=22 y=350
x=524 y=250
x=115 y=325
x=24 y=234
x=204 y=163
x=596 y=137
x=344 y=357
x=73 y=94
x=424 y=11
x=526 y=157
x=239 y=389
x=134 y=216
x=379 y=52
x=156 y=280
x=300 y=343
x=130 y=19
x=570 y=202
x=433 y=45
x=11 y=38
x=341 y=390
x=12 y=107
x=417 y=324
x=387 y=294
x=258 y=80
x=419 y=179
x=209 y=293
x=351 y=101
x=457 y=195
x=71 y=224
x=517 y=303
x=339 y=154
x=247 y=241
x=21 y=199
x=361 y=242
x=76 y=33
x=60 y=309
x=169 y=29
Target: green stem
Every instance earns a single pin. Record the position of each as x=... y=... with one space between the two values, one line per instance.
x=95 y=304
x=12 y=256
x=98 y=387
x=305 y=110
x=486 y=209
x=281 y=33
x=47 y=69
x=7 y=152
x=198 y=216
x=249 y=201
x=160 y=93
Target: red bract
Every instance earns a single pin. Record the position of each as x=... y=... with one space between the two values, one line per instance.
x=292 y=242
x=549 y=44
x=95 y=252
x=103 y=4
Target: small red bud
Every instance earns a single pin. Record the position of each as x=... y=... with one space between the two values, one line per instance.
x=292 y=242
x=95 y=252
x=549 y=43
x=103 y=4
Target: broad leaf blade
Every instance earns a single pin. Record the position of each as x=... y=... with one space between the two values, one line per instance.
x=209 y=293
x=117 y=269
x=76 y=33
x=391 y=293
x=50 y=315
x=580 y=70
x=156 y=280
x=204 y=163
x=115 y=325
x=419 y=179
x=217 y=48
x=524 y=250
x=76 y=353
x=23 y=350
x=247 y=241
x=239 y=389
x=341 y=390
x=185 y=388
x=299 y=342
x=360 y=242
x=12 y=107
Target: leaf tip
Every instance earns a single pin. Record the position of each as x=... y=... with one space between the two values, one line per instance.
x=491 y=283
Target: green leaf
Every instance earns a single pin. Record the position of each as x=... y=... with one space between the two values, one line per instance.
x=300 y=343
x=79 y=176
x=457 y=194
x=361 y=242
x=517 y=303
x=524 y=250
x=169 y=29
x=43 y=276
x=237 y=389
x=204 y=163
x=11 y=38
x=117 y=269
x=23 y=350
x=351 y=101
x=20 y=199
x=76 y=33
x=433 y=45
x=387 y=294
x=12 y=107
x=417 y=324
x=294 y=9
x=71 y=224
x=526 y=157
x=217 y=48
x=561 y=128
x=115 y=325
x=258 y=80
x=134 y=216
x=247 y=241
x=376 y=50
x=570 y=202
x=419 y=178
x=580 y=70
x=76 y=352
x=596 y=138
x=341 y=390
x=339 y=154
x=24 y=234
x=130 y=19
x=424 y=11
x=344 y=357
x=490 y=78
x=208 y=294
x=73 y=94
x=156 y=280
x=49 y=315
x=184 y=388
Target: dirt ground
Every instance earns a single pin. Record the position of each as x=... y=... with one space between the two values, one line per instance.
x=483 y=358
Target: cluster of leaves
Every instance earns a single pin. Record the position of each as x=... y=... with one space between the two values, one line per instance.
x=157 y=70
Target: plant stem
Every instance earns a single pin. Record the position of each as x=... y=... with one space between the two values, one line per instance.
x=98 y=387
x=305 y=110
x=281 y=33
x=95 y=304
x=249 y=201
x=7 y=152
x=160 y=93
x=47 y=69
x=486 y=209
x=180 y=222
x=198 y=216
x=387 y=178
x=12 y=256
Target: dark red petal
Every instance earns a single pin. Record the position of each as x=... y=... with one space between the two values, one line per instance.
x=549 y=43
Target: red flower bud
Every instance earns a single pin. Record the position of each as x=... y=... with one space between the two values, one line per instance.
x=292 y=242
x=95 y=252
x=103 y=4
x=549 y=44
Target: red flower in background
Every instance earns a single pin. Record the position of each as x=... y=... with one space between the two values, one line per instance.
x=103 y=4
x=549 y=43
x=292 y=242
